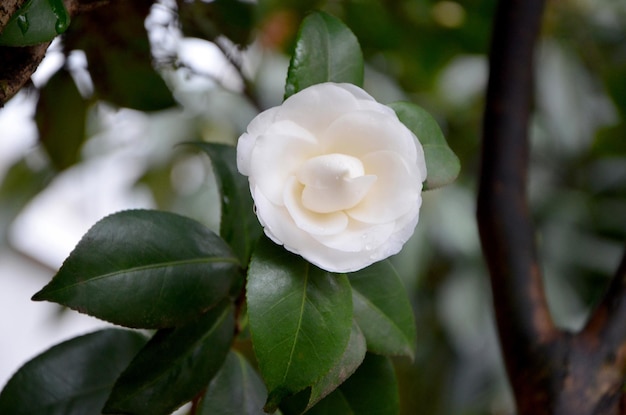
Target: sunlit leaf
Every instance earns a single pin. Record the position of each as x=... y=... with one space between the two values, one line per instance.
x=61 y=115
x=239 y=225
x=174 y=366
x=71 y=378
x=442 y=165
x=300 y=318
x=236 y=390
x=383 y=311
x=145 y=269
x=326 y=51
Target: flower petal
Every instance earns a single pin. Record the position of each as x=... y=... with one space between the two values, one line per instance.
x=361 y=132
x=333 y=182
x=276 y=156
x=358 y=237
x=315 y=108
x=307 y=220
x=395 y=192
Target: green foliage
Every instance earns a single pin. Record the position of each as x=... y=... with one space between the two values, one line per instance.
x=61 y=127
x=224 y=399
x=239 y=226
x=300 y=318
x=174 y=366
x=37 y=21
x=145 y=269
x=322 y=342
x=383 y=311
x=442 y=165
x=326 y=51
x=119 y=57
x=72 y=378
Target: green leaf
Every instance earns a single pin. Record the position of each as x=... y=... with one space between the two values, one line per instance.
x=352 y=358
x=383 y=311
x=209 y=20
x=37 y=21
x=326 y=51
x=373 y=389
x=61 y=115
x=146 y=269
x=175 y=365
x=71 y=378
x=239 y=225
x=236 y=390
x=442 y=165
x=300 y=319
x=119 y=57
x=335 y=403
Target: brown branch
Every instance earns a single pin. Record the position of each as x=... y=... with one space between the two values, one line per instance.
x=7 y=9
x=528 y=337
x=19 y=63
x=551 y=373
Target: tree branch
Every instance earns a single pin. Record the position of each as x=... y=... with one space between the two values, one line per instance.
x=529 y=339
x=19 y=63
x=7 y=9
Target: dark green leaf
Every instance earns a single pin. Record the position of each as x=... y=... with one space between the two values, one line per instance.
x=326 y=51
x=175 y=365
x=19 y=185
x=61 y=115
x=300 y=319
x=239 y=225
x=71 y=378
x=373 y=389
x=335 y=403
x=383 y=311
x=352 y=357
x=236 y=390
x=144 y=268
x=209 y=20
x=37 y=21
x=442 y=165
x=118 y=52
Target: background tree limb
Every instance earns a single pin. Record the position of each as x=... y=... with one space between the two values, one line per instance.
x=550 y=371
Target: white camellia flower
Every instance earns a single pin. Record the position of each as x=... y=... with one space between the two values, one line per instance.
x=335 y=176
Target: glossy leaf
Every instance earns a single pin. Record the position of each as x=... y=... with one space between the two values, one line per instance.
x=352 y=358
x=236 y=390
x=71 y=378
x=239 y=225
x=146 y=269
x=300 y=319
x=175 y=365
x=326 y=51
x=442 y=165
x=383 y=311
x=37 y=21
x=61 y=115
x=373 y=388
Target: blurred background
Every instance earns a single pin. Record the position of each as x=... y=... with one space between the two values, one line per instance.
x=97 y=132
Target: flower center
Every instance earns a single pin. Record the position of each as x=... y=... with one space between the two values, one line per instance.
x=333 y=182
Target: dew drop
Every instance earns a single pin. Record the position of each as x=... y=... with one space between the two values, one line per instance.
x=63 y=18
x=23 y=24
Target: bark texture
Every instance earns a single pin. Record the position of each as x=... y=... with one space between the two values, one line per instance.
x=550 y=371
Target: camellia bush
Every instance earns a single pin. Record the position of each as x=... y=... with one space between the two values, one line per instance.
x=317 y=195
